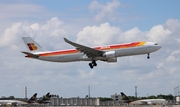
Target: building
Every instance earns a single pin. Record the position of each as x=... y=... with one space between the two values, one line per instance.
x=88 y=101
x=75 y=101
x=116 y=97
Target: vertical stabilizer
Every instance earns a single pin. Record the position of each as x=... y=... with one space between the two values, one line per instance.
x=33 y=98
x=45 y=99
x=32 y=45
x=125 y=98
x=47 y=96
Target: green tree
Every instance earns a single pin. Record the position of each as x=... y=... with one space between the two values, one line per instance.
x=167 y=97
x=143 y=97
x=133 y=98
x=105 y=99
x=11 y=97
x=152 y=97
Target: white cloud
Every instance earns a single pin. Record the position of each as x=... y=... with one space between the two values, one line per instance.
x=10 y=35
x=173 y=25
x=52 y=24
x=130 y=35
x=106 y=11
x=35 y=26
x=98 y=35
x=158 y=33
x=174 y=57
x=52 y=29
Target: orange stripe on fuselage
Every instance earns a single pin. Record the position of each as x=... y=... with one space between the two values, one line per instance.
x=111 y=47
x=62 y=52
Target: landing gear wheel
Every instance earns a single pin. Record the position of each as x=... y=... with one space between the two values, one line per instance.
x=91 y=65
x=94 y=63
x=148 y=56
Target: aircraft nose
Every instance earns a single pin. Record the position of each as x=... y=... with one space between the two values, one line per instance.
x=159 y=47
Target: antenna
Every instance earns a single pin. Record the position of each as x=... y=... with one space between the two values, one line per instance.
x=89 y=91
x=25 y=92
x=136 y=91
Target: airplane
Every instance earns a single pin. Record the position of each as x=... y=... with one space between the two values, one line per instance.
x=142 y=102
x=19 y=102
x=45 y=99
x=108 y=53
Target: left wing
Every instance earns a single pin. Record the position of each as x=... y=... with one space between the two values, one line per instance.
x=90 y=52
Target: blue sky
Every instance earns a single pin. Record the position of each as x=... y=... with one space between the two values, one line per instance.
x=96 y=22
x=148 y=12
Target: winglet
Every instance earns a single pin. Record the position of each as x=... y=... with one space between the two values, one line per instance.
x=66 y=40
x=72 y=43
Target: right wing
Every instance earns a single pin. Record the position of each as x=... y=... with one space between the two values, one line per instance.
x=90 y=52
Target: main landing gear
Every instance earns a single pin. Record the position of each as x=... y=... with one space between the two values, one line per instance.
x=148 y=56
x=92 y=64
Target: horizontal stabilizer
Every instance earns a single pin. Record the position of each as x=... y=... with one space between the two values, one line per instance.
x=31 y=55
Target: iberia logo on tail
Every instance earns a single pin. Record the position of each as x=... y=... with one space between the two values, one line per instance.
x=32 y=46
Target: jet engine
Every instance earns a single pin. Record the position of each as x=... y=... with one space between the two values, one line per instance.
x=112 y=60
x=110 y=54
x=149 y=103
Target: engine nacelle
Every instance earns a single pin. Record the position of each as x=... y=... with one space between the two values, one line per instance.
x=149 y=103
x=112 y=60
x=110 y=54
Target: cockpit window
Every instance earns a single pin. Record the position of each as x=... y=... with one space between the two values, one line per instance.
x=156 y=44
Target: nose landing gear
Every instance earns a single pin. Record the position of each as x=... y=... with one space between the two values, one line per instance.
x=148 y=56
x=92 y=64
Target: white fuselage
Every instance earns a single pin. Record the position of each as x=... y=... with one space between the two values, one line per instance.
x=148 y=101
x=11 y=102
x=75 y=55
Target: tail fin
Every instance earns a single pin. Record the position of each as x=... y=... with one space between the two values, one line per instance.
x=125 y=98
x=33 y=98
x=47 y=96
x=45 y=99
x=32 y=45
